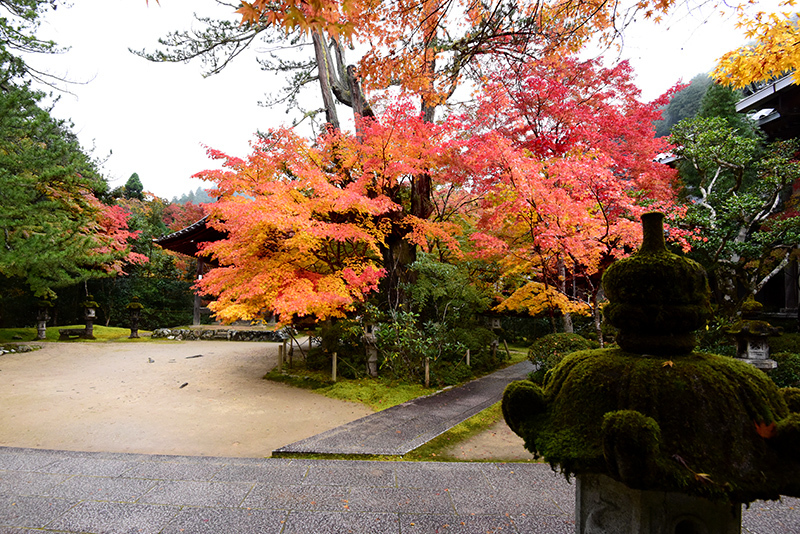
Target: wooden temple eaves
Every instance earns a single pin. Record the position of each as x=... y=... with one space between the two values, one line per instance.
x=187 y=240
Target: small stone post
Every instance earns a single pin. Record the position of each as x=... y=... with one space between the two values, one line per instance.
x=135 y=309
x=333 y=367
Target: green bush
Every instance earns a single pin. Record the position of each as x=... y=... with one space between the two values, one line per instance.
x=345 y=337
x=548 y=351
x=787 y=374
x=785 y=343
x=714 y=340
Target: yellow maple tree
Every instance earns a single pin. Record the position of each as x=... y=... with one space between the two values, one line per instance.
x=773 y=51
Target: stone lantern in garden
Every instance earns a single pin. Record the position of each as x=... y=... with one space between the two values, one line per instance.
x=89 y=314
x=42 y=316
x=661 y=439
x=135 y=309
x=370 y=330
x=752 y=336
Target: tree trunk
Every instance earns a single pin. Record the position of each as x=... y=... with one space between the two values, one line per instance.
x=324 y=70
x=566 y=317
x=727 y=291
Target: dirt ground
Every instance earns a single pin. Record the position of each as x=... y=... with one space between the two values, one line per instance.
x=498 y=443
x=200 y=398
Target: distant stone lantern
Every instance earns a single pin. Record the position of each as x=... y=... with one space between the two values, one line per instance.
x=135 y=310
x=752 y=336
x=370 y=330
x=89 y=314
x=42 y=316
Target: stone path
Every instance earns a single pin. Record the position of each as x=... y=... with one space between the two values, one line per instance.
x=105 y=493
x=403 y=428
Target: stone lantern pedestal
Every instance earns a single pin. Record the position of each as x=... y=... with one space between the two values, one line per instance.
x=604 y=505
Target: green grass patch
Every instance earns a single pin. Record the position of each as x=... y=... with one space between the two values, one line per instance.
x=102 y=333
x=378 y=394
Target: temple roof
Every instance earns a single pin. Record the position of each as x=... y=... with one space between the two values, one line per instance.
x=187 y=240
x=777 y=107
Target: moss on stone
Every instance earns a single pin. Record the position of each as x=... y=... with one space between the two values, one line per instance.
x=657 y=423
x=656 y=294
x=792 y=398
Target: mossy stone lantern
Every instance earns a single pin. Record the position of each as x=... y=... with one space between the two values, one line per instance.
x=43 y=306
x=89 y=315
x=661 y=439
x=135 y=310
x=752 y=336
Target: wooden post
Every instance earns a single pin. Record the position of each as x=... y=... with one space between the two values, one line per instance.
x=333 y=368
x=197 y=300
x=468 y=365
x=505 y=344
x=280 y=358
x=427 y=373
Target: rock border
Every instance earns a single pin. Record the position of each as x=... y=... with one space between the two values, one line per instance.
x=223 y=334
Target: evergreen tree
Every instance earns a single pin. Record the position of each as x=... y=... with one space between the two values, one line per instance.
x=720 y=101
x=134 y=188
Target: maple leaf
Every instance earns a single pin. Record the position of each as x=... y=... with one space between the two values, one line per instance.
x=668 y=363
x=766 y=431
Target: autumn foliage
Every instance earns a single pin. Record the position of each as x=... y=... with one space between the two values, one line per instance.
x=308 y=222
x=548 y=172
x=577 y=168
x=772 y=52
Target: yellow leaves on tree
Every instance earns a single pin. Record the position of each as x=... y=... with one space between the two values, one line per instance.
x=775 y=51
x=536 y=298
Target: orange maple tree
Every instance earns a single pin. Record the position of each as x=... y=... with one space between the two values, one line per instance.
x=310 y=224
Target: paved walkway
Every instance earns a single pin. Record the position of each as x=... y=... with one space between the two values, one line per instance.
x=403 y=428
x=104 y=493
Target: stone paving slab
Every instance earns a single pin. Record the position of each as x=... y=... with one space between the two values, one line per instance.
x=291 y=496
x=400 y=429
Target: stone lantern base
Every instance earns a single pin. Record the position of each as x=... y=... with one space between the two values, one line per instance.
x=765 y=364
x=605 y=506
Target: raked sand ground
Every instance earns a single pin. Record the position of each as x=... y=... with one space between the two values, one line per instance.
x=204 y=398
x=201 y=398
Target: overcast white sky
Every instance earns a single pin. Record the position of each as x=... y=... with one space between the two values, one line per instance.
x=154 y=119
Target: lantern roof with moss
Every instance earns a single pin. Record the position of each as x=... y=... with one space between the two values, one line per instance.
x=654 y=414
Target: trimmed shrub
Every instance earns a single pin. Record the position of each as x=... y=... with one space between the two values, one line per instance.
x=548 y=351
